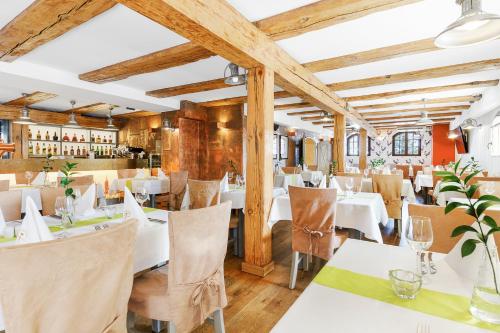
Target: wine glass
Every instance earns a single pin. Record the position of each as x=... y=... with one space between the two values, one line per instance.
x=142 y=196
x=349 y=185
x=489 y=188
x=60 y=206
x=64 y=208
x=419 y=236
x=77 y=193
x=366 y=173
x=28 y=175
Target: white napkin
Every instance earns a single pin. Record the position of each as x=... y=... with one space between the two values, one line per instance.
x=133 y=209
x=224 y=183
x=2 y=223
x=305 y=167
x=322 y=184
x=33 y=229
x=161 y=174
x=39 y=179
x=84 y=206
x=334 y=184
x=469 y=266
x=140 y=174
x=427 y=170
x=185 y=200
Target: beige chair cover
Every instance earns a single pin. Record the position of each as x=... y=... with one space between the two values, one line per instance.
x=312 y=167
x=390 y=186
x=4 y=185
x=193 y=288
x=127 y=173
x=77 y=284
x=178 y=182
x=203 y=193
x=342 y=180
x=49 y=195
x=416 y=169
x=78 y=180
x=313 y=220
x=21 y=179
x=10 y=203
x=290 y=170
x=483 y=180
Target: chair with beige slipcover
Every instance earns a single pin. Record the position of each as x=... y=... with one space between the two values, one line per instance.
x=49 y=195
x=10 y=203
x=357 y=181
x=4 y=185
x=193 y=286
x=203 y=193
x=126 y=173
x=21 y=177
x=178 y=182
x=313 y=226
x=390 y=187
x=75 y=284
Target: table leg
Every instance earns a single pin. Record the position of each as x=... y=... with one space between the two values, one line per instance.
x=241 y=233
x=355 y=234
x=152 y=200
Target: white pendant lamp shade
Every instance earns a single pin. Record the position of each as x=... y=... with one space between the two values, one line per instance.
x=24 y=119
x=425 y=120
x=72 y=123
x=474 y=26
x=110 y=125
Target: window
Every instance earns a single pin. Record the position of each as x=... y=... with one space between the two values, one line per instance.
x=406 y=144
x=495 y=137
x=369 y=146
x=353 y=145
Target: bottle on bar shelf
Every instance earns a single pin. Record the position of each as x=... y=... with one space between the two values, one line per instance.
x=30 y=135
x=47 y=136
x=84 y=151
x=54 y=150
x=72 y=151
x=98 y=138
x=92 y=138
x=49 y=149
x=74 y=139
x=38 y=135
x=110 y=140
x=65 y=150
x=78 y=151
x=30 y=148
x=44 y=149
x=104 y=140
x=55 y=137
x=37 y=149
x=82 y=139
x=66 y=137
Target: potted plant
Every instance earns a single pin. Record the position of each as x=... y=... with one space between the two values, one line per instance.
x=48 y=165
x=486 y=293
x=67 y=203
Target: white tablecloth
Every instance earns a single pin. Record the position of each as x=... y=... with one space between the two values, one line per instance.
x=406 y=190
x=151 y=247
x=307 y=176
x=443 y=197
x=422 y=181
x=284 y=180
x=237 y=196
x=363 y=212
x=323 y=309
x=153 y=185
x=29 y=191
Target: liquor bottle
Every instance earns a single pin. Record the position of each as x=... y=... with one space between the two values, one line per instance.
x=74 y=139
x=44 y=149
x=82 y=139
x=84 y=151
x=37 y=149
x=38 y=135
x=92 y=138
x=54 y=150
x=47 y=136
x=104 y=140
x=66 y=137
x=110 y=140
x=49 y=149
x=72 y=151
x=106 y=151
x=106 y=186
x=30 y=148
x=55 y=137
x=30 y=135
x=65 y=150
x=78 y=151
x=98 y=138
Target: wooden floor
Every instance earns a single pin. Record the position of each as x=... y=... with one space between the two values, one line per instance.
x=256 y=304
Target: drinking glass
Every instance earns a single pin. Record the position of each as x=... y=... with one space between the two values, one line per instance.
x=64 y=207
x=28 y=175
x=142 y=196
x=349 y=185
x=489 y=188
x=77 y=193
x=366 y=173
x=419 y=236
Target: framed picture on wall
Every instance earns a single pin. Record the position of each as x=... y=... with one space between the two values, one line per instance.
x=275 y=146
x=283 y=147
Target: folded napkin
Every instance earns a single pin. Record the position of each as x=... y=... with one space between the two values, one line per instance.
x=334 y=184
x=224 y=183
x=33 y=229
x=161 y=174
x=386 y=171
x=84 y=206
x=141 y=174
x=39 y=179
x=132 y=208
x=305 y=167
x=322 y=184
x=185 y=200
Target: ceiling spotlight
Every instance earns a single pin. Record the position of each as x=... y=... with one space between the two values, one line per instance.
x=72 y=123
x=326 y=116
x=469 y=124
x=235 y=78
x=110 y=125
x=472 y=27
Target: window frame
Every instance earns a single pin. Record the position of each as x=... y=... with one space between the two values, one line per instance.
x=349 y=143
x=405 y=143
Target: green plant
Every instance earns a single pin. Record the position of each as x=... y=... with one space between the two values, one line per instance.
x=232 y=166
x=459 y=181
x=332 y=169
x=378 y=162
x=66 y=181
x=48 y=163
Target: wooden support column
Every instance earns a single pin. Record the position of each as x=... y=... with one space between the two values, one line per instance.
x=363 y=146
x=259 y=172
x=339 y=142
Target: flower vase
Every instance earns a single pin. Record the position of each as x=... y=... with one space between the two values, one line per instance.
x=68 y=217
x=485 y=302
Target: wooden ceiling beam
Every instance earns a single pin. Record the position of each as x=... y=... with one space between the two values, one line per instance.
x=323 y=122
x=415 y=126
x=458 y=99
x=29 y=99
x=137 y=114
x=43 y=21
x=300 y=105
x=301 y=113
x=434 y=115
x=424 y=74
x=297 y=21
x=96 y=107
x=240 y=100
x=405 y=124
x=188 y=88
x=411 y=119
x=368 y=115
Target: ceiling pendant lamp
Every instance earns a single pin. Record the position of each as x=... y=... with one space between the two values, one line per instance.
x=235 y=78
x=326 y=116
x=167 y=125
x=110 y=126
x=424 y=120
x=24 y=118
x=469 y=124
x=72 y=123
x=472 y=27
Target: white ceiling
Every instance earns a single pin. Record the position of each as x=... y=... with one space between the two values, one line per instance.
x=120 y=34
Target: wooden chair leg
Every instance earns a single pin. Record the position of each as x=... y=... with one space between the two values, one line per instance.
x=170 y=327
x=219 y=321
x=156 y=325
x=294 y=269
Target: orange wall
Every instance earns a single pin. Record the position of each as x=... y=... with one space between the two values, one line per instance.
x=442 y=147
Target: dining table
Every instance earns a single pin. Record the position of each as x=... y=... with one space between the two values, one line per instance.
x=312 y=176
x=406 y=190
x=352 y=294
x=151 y=247
x=153 y=186
x=423 y=180
x=361 y=211
x=284 y=180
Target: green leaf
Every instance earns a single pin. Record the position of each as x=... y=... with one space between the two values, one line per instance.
x=468 y=247
x=471 y=190
x=488 y=197
x=461 y=230
x=457 y=164
x=68 y=192
x=483 y=206
x=469 y=177
x=451 y=179
x=450 y=188
x=489 y=221
x=492 y=231
x=452 y=205
x=444 y=173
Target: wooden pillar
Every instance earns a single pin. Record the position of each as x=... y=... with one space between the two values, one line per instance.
x=339 y=142
x=259 y=172
x=363 y=145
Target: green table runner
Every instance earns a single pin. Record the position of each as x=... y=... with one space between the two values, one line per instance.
x=6 y=239
x=435 y=303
